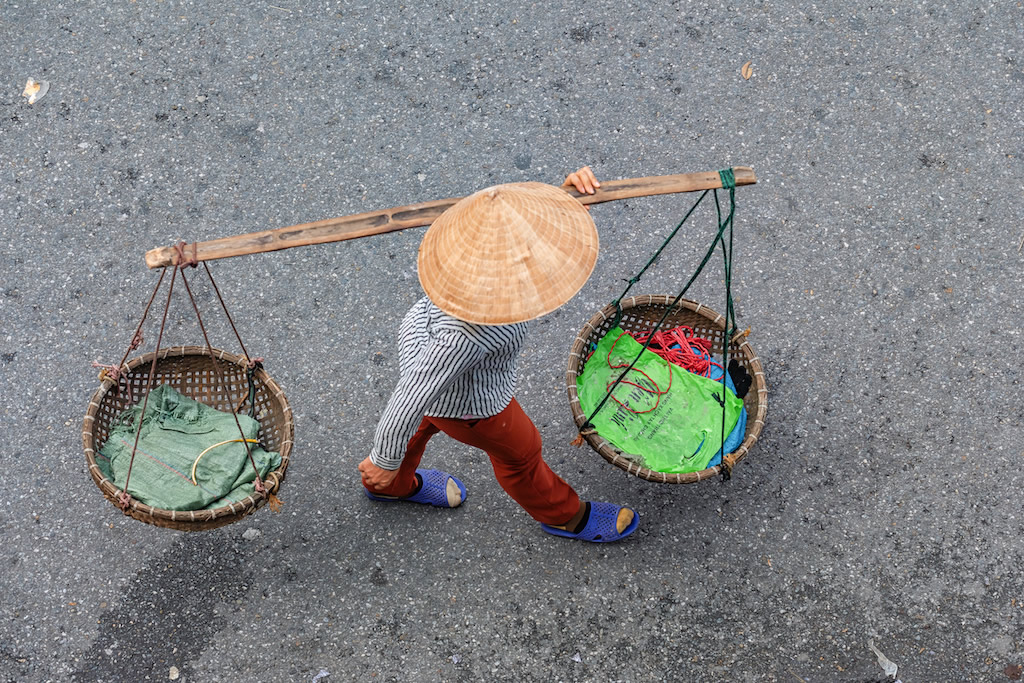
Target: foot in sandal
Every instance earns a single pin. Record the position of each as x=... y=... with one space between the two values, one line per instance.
x=436 y=488
x=599 y=523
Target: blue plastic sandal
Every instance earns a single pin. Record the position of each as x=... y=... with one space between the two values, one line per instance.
x=600 y=527
x=432 y=492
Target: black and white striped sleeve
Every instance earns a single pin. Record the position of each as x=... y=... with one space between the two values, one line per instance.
x=446 y=358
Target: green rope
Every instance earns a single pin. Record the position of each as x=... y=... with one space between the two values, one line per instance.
x=728 y=178
x=730 y=310
x=636 y=278
x=727 y=255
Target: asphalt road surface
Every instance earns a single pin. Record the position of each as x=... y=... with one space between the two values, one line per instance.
x=878 y=266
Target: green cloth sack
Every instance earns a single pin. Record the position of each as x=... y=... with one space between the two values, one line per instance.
x=175 y=431
x=678 y=431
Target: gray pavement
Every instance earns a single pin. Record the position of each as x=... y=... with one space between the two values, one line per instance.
x=878 y=267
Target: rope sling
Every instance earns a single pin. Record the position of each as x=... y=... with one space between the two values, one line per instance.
x=668 y=308
x=214 y=377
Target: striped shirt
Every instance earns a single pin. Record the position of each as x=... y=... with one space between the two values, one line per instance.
x=447 y=368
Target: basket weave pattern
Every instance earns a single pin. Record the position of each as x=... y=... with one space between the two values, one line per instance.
x=641 y=314
x=191 y=370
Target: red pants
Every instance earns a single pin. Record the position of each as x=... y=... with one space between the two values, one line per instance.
x=513 y=443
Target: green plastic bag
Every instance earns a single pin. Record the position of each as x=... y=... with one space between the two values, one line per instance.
x=665 y=426
x=175 y=431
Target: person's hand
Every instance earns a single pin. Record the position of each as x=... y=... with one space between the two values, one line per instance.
x=375 y=478
x=583 y=180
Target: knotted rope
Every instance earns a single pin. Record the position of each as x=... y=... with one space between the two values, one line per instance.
x=183 y=260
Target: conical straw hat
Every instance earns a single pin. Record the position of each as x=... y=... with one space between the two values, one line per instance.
x=508 y=254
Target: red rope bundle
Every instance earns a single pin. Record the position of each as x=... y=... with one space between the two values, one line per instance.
x=681 y=346
x=653 y=388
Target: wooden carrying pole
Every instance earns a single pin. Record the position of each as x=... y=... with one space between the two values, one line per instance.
x=418 y=215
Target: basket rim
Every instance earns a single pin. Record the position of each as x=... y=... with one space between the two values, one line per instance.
x=755 y=423
x=184 y=519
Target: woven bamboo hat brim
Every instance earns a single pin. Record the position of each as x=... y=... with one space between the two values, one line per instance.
x=508 y=253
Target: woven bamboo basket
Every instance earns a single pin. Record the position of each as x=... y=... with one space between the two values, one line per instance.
x=192 y=371
x=642 y=313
